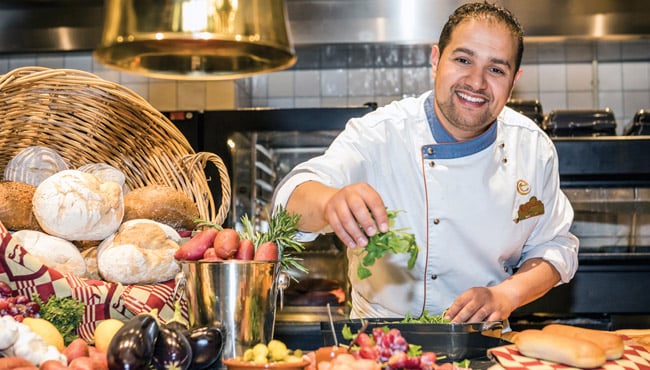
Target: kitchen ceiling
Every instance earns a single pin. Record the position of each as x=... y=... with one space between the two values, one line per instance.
x=28 y=26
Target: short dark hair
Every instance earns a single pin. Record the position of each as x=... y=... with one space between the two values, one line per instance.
x=484 y=10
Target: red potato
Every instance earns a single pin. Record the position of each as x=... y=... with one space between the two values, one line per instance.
x=246 y=250
x=25 y=368
x=12 y=362
x=211 y=255
x=82 y=363
x=100 y=359
x=76 y=348
x=52 y=365
x=194 y=248
x=226 y=243
x=267 y=251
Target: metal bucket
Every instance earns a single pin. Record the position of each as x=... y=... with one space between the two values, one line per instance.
x=238 y=296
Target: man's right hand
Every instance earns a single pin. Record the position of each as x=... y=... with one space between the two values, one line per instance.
x=346 y=210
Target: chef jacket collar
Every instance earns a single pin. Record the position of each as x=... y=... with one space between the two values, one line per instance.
x=447 y=146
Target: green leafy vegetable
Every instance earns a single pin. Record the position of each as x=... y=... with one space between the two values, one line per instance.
x=426 y=318
x=64 y=313
x=393 y=241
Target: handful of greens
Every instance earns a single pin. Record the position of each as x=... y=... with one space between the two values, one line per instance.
x=392 y=241
x=65 y=313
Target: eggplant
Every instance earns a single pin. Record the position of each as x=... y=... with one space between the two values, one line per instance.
x=133 y=345
x=207 y=345
x=173 y=349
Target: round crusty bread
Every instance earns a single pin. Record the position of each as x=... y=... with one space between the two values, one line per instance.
x=53 y=252
x=141 y=252
x=163 y=204
x=34 y=164
x=75 y=205
x=16 y=206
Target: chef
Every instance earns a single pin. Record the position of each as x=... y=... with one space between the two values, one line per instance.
x=477 y=184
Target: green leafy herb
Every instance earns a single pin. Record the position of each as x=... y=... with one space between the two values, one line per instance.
x=426 y=318
x=64 y=313
x=393 y=241
x=282 y=230
x=465 y=364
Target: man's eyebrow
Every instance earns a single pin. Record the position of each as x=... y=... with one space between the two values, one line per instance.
x=493 y=60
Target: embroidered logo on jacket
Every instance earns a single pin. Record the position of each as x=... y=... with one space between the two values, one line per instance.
x=534 y=207
x=522 y=187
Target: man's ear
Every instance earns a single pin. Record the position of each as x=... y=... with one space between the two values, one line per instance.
x=435 y=58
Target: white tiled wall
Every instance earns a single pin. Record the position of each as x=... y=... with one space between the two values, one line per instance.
x=623 y=86
x=163 y=94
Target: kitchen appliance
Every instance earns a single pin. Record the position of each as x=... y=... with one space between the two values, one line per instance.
x=640 y=124
x=531 y=108
x=580 y=122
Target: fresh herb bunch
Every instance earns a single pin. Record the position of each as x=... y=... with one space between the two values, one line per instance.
x=64 y=313
x=426 y=318
x=393 y=241
x=282 y=230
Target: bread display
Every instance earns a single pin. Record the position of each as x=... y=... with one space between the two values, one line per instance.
x=34 y=164
x=141 y=252
x=53 y=252
x=75 y=205
x=16 y=206
x=560 y=348
x=162 y=204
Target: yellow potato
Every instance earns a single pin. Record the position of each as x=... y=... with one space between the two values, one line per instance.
x=104 y=333
x=45 y=330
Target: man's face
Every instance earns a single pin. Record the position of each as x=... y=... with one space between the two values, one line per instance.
x=474 y=77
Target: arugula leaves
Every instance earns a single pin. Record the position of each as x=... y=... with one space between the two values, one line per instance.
x=393 y=241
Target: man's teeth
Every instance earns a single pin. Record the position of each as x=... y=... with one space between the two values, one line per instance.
x=471 y=99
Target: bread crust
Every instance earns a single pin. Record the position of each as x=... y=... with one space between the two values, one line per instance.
x=560 y=348
x=611 y=343
x=16 y=206
x=162 y=204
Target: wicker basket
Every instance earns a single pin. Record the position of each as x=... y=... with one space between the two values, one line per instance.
x=90 y=120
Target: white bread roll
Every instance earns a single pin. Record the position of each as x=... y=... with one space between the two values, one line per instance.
x=53 y=252
x=34 y=164
x=106 y=173
x=611 y=343
x=141 y=252
x=560 y=348
x=75 y=205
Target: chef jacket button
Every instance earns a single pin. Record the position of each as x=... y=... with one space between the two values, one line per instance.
x=432 y=164
x=434 y=277
x=436 y=221
x=502 y=145
x=429 y=151
x=504 y=160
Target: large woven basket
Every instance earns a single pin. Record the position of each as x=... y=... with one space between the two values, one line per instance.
x=90 y=120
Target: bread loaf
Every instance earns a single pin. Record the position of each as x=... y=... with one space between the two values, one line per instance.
x=163 y=204
x=141 y=252
x=53 y=252
x=559 y=348
x=74 y=205
x=611 y=343
x=34 y=164
x=16 y=206
x=106 y=173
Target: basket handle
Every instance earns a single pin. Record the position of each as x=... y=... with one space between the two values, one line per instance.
x=198 y=162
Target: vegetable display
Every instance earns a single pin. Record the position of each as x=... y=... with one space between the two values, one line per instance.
x=65 y=313
x=394 y=241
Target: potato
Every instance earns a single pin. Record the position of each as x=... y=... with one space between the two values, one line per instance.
x=267 y=251
x=10 y=363
x=193 y=249
x=246 y=250
x=100 y=359
x=226 y=243
x=76 y=348
x=52 y=365
x=82 y=363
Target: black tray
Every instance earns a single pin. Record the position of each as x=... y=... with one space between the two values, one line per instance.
x=454 y=341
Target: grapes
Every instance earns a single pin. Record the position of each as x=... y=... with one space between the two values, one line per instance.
x=391 y=350
x=16 y=305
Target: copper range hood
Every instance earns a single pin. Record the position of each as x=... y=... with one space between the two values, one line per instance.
x=196 y=39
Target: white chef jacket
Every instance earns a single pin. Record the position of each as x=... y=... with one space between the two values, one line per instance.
x=478 y=209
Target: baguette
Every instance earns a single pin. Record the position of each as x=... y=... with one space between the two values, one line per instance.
x=560 y=348
x=611 y=343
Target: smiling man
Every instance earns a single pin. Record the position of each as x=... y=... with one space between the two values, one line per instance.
x=477 y=181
